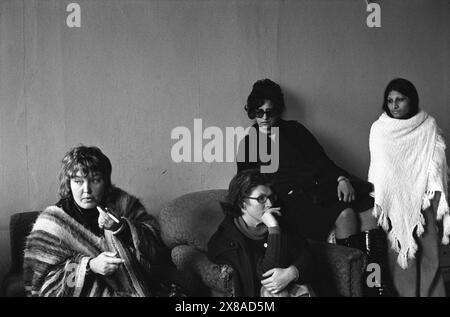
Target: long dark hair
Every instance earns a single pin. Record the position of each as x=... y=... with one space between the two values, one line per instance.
x=405 y=87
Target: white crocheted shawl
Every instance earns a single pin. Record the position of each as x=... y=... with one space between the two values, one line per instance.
x=407 y=166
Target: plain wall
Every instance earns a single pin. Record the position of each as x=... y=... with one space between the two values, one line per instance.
x=136 y=70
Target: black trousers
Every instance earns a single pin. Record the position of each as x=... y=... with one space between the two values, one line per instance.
x=313 y=216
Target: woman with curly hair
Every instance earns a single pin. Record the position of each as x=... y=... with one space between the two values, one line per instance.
x=97 y=240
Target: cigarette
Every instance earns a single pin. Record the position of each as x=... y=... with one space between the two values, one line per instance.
x=105 y=209
x=113 y=217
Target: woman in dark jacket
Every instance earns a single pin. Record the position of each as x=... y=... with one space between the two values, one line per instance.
x=318 y=195
x=252 y=240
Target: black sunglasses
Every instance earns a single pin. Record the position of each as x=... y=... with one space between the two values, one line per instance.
x=263 y=198
x=259 y=113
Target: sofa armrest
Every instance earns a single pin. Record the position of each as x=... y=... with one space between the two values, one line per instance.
x=340 y=269
x=217 y=277
x=13 y=285
x=19 y=228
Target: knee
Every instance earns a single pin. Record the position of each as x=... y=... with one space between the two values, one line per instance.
x=368 y=221
x=346 y=217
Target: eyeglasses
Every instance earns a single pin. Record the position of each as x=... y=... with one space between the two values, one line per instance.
x=263 y=198
x=259 y=113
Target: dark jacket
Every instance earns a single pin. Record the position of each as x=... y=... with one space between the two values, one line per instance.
x=229 y=246
x=306 y=180
x=301 y=158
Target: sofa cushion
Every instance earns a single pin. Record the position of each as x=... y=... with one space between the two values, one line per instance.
x=192 y=218
x=339 y=269
x=217 y=277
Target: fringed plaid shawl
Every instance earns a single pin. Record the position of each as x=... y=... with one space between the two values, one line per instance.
x=58 y=249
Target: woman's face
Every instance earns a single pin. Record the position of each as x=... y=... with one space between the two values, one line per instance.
x=265 y=115
x=87 y=190
x=252 y=209
x=398 y=105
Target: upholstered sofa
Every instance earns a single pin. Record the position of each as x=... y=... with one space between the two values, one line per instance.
x=19 y=227
x=188 y=222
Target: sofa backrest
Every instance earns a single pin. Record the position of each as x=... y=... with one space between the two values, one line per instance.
x=192 y=218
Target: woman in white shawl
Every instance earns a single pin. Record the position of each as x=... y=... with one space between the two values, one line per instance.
x=409 y=171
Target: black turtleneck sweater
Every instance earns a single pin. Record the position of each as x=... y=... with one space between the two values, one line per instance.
x=89 y=219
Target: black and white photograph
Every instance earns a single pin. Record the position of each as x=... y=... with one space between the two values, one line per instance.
x=222 y=154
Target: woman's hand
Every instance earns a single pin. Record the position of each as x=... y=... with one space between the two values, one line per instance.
x=345 y=191
x=268 y=217
x=105 y=263
x=105 y=221
x=278 y=279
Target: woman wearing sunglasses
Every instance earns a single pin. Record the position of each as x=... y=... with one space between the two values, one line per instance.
x=266 y=259
x=319 y=197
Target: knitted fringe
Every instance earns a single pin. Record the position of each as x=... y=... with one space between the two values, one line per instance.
x=426 y=199
x=443 y=210
x=405 y=253
x=442 y=213
x=446 y=227
x=381 y=216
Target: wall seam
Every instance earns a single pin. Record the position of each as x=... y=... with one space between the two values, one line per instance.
x=25 y=99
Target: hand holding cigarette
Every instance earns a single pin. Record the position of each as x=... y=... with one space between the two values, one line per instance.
x=107 y=220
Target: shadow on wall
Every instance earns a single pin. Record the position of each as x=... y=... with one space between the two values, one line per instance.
x=294 y=105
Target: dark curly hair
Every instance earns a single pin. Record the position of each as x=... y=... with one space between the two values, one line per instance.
x=405 y=87
x=240 y=187
x=86 y=160
x=265 y=89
